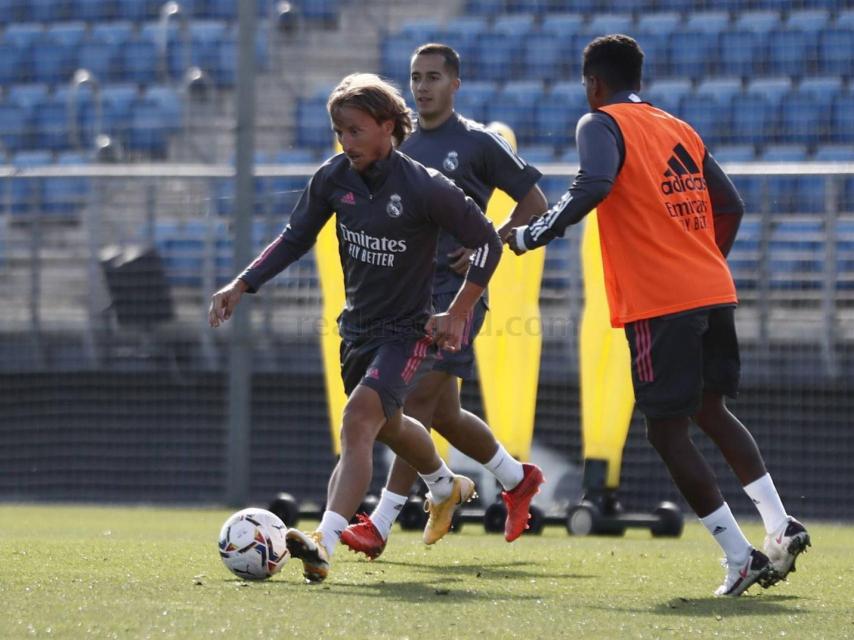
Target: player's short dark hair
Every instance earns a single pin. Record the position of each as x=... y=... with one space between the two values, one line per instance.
x=379 y=99
x=452 y=58
x=616 y=59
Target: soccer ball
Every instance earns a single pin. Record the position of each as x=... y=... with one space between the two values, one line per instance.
x=252 y=544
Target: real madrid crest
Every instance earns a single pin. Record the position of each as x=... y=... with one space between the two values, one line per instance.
x=394 y=208
x=451 y=161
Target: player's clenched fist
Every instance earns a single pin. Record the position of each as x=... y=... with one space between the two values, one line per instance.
x=224 y=301
x=446 y=330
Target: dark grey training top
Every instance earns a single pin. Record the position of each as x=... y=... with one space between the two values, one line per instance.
x=601 y=152
x=478 y=161
x=387 y=223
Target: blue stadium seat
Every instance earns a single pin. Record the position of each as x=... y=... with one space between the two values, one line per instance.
x=200 y=50
x=92 y=10
x=514 y=25
x=546 y=57
x=538 y=154
x=796 y=255
x=484 y=8
x=668 y=94
x=27 y=96
x=14 y=63
x=50 y=124
x=77 y=103
x=557 y=265
x=842 y=126
x=528 y=6
x=569 y=156
x=170 y=104
x=421 y=32
x=692 y=53
x=834 y=153
x=774 y=89
x=792 y=51
x=603 y=24
x=742 y=52
x=750 y=190
x=744 y=258
x=753 y=119
x=562 y=24
x=834 y=52
x=784 y=153
x=734 y=153
x=25 y=194
x=462 y=34
x=55 y=57
x=812 y=20
x=822 y=89
x=225 y=71
x=496 y=54
x=656 y=49
x=719 y=90
x=762 y=21
x=150 y=125
x=118 y=32
x=116 y=104
x=845 y=19
x=64 y=196
x=709 y=119
x=14 y=126
x=320 y=11
x=473 y=97
x=514 y=105
x=557 y=114
x=803 y=119
x=664 y=22
x=24 y=35
x=313 y=129
x=792 y=194
x=101 y=59
x=714 y=22
x=395 y=52
x=47 y=11
x=138 y=61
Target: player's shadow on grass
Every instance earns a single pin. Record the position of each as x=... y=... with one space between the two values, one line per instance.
x=451 y=590
x=712 y=607
x=516 y=569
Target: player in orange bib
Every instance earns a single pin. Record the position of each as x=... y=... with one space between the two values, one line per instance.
x=668 y=216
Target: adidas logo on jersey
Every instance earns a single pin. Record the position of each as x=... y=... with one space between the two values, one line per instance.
x=682 y=174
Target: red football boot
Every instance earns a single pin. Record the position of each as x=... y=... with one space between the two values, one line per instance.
x=363 y=537
x=518 y=500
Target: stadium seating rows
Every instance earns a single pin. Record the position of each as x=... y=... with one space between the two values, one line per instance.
x=122 y=51
x=760 y=77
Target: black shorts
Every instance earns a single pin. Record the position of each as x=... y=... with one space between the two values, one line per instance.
x=676 y=357
x=460 y=363
x=390 y=366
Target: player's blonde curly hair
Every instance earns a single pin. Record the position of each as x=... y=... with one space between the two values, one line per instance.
x=376 y=97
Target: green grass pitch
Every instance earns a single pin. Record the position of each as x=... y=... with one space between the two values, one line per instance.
x=108 y=572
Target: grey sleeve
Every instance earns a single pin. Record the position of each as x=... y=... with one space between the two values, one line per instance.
x=458 y=214
x=601 y=152
x=307 y=219
x=727 y=205
x=505 y=169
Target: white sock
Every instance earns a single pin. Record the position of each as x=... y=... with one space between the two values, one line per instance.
x=386 y=511
x=506 y=469
x=726 y=532
x=332 y=525
x=440 y=483
x=767 y=500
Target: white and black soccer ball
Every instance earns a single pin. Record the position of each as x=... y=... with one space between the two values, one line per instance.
x=252 y=544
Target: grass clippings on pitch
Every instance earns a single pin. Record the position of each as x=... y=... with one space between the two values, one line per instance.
x=103 y=572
